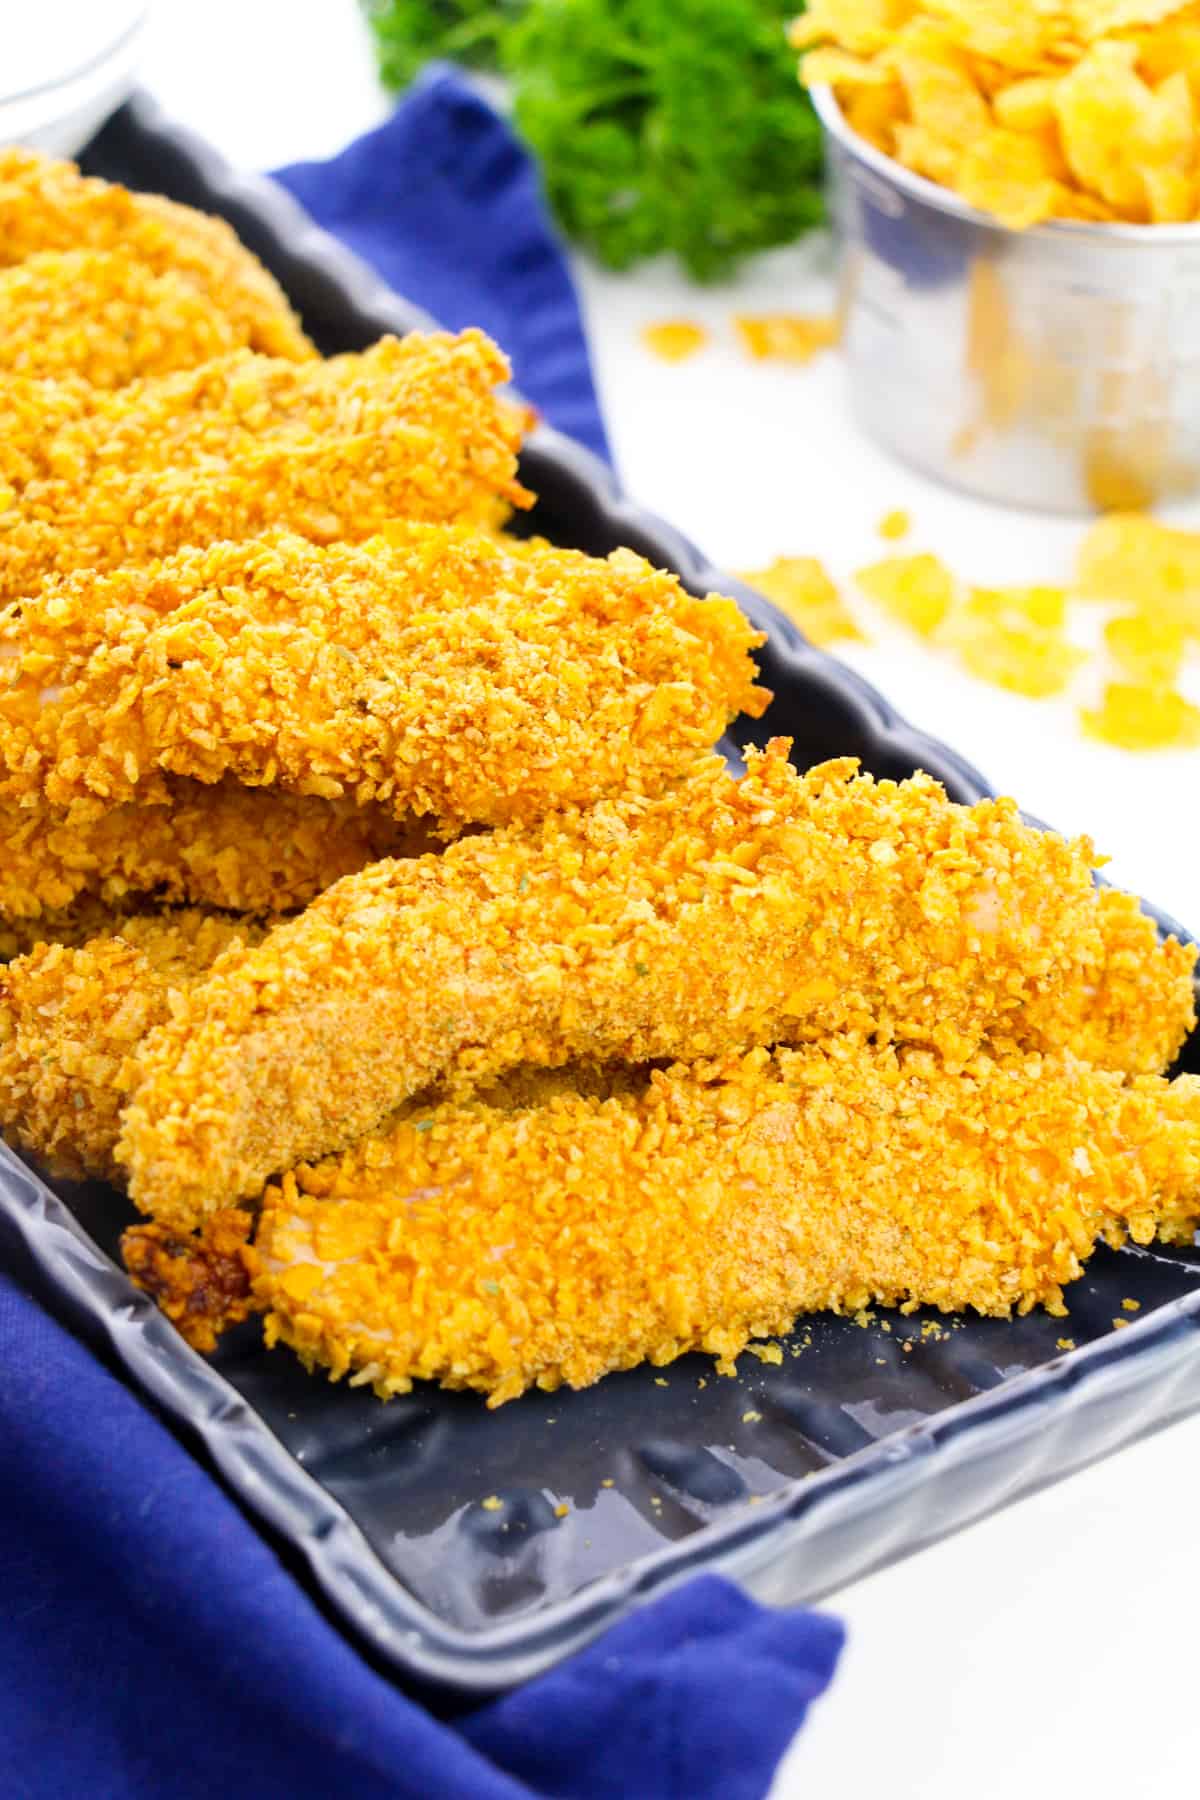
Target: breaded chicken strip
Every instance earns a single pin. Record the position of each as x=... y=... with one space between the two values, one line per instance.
x=332 y=451
x=445 y=673
x=71 y=1019
x=487 y=1249
x=723 y=915
x=201 y=1279
x=47 y=205
x=1138 y=998
x=70 y=431
x=244 y=849
x=102 y=316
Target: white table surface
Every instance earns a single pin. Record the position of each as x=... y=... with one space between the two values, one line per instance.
x=1049 y=1649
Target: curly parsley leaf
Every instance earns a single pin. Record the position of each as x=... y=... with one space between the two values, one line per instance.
x=409 y=32
x=660 y=125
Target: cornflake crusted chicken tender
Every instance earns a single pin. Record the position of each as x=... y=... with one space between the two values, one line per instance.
x=201 y=1279
x=246 y=849
x=408 y=430
x=722 y=915
x=71 y=1020
x=104 y=317
x=47 y=205
x=1143 y=996
x=444 y=673
x=495 y=1250
x=71 y=432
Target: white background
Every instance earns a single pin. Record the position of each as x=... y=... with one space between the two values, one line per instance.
x=1048 y=1650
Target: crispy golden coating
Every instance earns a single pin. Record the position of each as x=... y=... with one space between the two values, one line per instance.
x=498 y=1250
x=72 y=1018
x=47 y=205
x=248 y=850
x=75 y=923
x=1139 y=998
x=333 y=451
x=201 y=1281
x=726 y=914
x=100 y=315
x=70 y=431
x=444 y=673
x=34 y=411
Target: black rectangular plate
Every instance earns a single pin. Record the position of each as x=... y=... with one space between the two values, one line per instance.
x=866 y=1441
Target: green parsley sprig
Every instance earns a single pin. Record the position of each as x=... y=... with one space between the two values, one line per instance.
x=660 y=125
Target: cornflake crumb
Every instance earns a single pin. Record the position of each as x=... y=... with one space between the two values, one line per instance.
x=881 y=1362
x=786 y=337
x=1119 y=1324
x=608 y=1482
x=660 y=1382
x=561 y=1510
x=803 y=590
x=702 y=1381
x=751 y=1418
x=1131 y=1305
x=674 y=340
x=766 y=1353
x=1138 y=716
x=493 y=1503
x=894 y=524
x=916 y=591
x=1065 y=1344
x=863 y=1318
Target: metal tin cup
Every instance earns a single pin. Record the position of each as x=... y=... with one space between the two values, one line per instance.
x=1056 y=368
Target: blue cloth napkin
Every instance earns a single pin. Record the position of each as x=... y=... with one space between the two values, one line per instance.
x=152 y=1642
x=154 y=1645
x=444 y=202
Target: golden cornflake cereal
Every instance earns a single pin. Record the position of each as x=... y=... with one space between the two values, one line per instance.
x=1133 y=716
x=1009 y=174
x=1096 y=18
x=861 y=26
x=919 y=591
x=1026 y=105
x=787 y=337
x=1045 y=607
x=1016 y=637
x=801 y=588
x=1013 y=637
x=674 y=340
x=894 y=525
x=838 y=67
x=1047 y=109
x=875 y=112
x=1134 y=560
x=1147 y=648
x=1025 y=659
